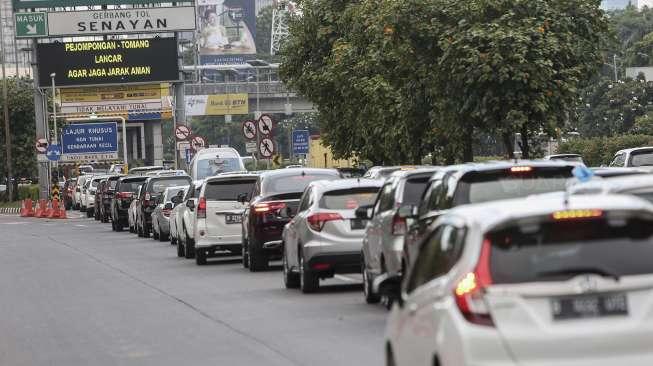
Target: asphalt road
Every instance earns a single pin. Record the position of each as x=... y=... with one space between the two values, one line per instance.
x=72 y=292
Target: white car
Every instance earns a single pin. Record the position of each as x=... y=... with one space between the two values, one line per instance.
x=184 y=225
x=79 y=187
x=131 y=212
x=640 y=185
x=219 y=214
x=88 y=199
x=544 y=283
x=213 y=161
x=636 y=157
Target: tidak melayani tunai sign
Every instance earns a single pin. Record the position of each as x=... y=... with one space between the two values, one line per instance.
x=108 y=62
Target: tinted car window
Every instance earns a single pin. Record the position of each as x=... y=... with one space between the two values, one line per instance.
x=211 y=167
x=386 y=200
x=293 y=183
x=477 y=187
x=619 y=160
x=413 y=190
x=641 y=158
x=348 y=199
x=130 y=185
x=160 y=185
x=437 y=256
x=228 y=190
x=558 y=251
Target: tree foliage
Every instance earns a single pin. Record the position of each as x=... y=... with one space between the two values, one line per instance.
x=394 y=80
x=22 y=129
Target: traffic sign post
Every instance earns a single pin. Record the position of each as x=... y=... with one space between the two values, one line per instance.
x=300 y=142
x=249 y=130
x=31 y=25
x=266 y=148
x=41 y=146
x=265 y=125
x=251 y=147
x=53 y=152
x=182 y=133
x=198 y=143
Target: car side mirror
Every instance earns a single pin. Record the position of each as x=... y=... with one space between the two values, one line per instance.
x=190 y=204
x=364 y=212
x=407 y=212
x=390 y=286
x=242 y=198
x=168 y=206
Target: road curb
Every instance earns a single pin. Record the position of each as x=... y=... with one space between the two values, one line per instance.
x=9 y=210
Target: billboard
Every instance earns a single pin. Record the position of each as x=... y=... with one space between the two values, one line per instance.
x=133 y=102
x=226 y=31
x=217 y=105
x=121 y=21
x=108 y=62
x=88 y=139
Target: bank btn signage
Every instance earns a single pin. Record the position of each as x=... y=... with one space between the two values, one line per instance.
x=90 y=141
x=108 y=62
x=132 y=102
x=217 y=104
x=120 y=21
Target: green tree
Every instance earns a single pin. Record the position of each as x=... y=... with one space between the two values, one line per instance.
x=264 y=30
x=22 y=129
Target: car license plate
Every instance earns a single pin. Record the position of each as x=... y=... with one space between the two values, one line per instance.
x=233 y=219
x=358 y=224
x=589 y=306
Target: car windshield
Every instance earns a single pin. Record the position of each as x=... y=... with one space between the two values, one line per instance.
x=171 y=192
x=112 y=184
x=160 y=185
x=229 y=190
x=480 y=187
x=641 y=158
x=413 y=190
x=131 y=185
x=349 y=199
x=210 y=167
x=558 y=251
x=293 y=183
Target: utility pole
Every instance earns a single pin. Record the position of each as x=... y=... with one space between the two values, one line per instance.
x=614 y=64
x=5 y=106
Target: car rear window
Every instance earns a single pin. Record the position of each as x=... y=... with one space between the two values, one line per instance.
x=641 y=158
x=558 y=251
x=293 y=183
x=112 y=184
x=160 y=185
x=496 y=185
x=348 y=199
x=228 y=190
x=413 y=190
x=131 y=185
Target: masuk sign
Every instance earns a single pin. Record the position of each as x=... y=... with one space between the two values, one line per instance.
x=90 y=141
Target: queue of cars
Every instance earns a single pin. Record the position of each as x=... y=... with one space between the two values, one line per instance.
x=511 y=263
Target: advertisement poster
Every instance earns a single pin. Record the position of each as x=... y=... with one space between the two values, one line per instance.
x=226 y=31
x=216 y=105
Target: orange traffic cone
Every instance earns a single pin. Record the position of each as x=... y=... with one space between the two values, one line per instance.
x=41 y=210
x=27 y=210
x=53 y=212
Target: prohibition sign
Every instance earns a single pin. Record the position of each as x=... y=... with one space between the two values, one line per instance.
x=249 y=130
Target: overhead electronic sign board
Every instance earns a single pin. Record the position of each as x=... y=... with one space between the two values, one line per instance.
x=108 y=62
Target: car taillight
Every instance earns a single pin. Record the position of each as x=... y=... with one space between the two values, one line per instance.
x=201 y=208
x=266 y=207
x=318 y=220
x=521 y=169
x=398 y=225
x=123 y=195
x=470 y=290
x=167 y=212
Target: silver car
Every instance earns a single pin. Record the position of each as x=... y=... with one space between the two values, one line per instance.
x=161 y=213
x=383 y=244
x=325 y=237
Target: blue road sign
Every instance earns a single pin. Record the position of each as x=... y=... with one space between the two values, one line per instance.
x=90 y=138
x=189 y=155
x=53 y=152
x=300 y=141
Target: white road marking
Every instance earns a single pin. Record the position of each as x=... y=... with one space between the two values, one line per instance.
x=14 y=223
x=80 y=225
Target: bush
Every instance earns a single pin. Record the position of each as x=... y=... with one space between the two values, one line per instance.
x=29 y=191
x=599 y=151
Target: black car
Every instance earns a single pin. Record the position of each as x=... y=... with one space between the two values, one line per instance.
x=274 y=201
x=67 y=193
x=125 y=191
x=153 y=187
x=97 y=212
x=476 y=183
x=107 y=195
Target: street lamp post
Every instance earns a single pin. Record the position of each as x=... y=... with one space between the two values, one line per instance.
x=5 y=105
x=54 y=107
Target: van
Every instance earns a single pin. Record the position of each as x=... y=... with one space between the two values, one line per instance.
x=213 y=161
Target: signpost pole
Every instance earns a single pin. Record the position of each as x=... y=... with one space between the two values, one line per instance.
x=5 y=104
x=124 y=142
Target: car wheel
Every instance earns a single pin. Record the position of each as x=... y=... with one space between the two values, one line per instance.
x=89 y=213
x=146 y=230
x=173 y=239
x=389 y=357
x=163 y=237
x=189 y=248
x=180 y=249
x=119 y=225
x=290 y=279
x=257 y=260
x=82 y=208
x=370 y=296
x=308 y=281
x=155 y=235
x=139 y=230
x=245 y=255
x=200 y=257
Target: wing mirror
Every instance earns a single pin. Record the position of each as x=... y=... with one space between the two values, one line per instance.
x=407 y=212
x=190 y=204
x=168 y=206
x=242 y=198
x=390 y=286
x=364 y=212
